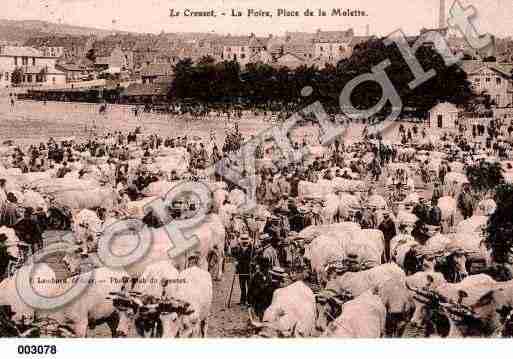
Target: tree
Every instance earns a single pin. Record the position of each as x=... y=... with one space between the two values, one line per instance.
x=17 y=76
x=91 y=55
x=499 y=230
x=449 y=84
x=485 y=177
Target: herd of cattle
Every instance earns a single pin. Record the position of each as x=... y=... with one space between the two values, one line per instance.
x=357 y=294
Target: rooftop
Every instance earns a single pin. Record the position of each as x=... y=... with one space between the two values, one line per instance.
x=157 y=70
x=20 y=51
x=334 y=36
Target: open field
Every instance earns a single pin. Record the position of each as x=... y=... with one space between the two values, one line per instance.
x=32 y=122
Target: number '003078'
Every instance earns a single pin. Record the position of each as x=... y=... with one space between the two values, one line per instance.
x=37 y=349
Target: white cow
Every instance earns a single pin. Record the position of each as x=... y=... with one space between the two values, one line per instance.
x=362 y=317
x=92 y=307
x=291 y=314
x=447 y=206
x=9 y=295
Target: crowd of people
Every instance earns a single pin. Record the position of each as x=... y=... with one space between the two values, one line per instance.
x=372 y=183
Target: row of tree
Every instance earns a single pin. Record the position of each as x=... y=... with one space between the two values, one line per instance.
x=259 y=84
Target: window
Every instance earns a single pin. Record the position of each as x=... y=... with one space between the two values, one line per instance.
x=322 y=49
x=242 y=56
x=498 y=100
x=24 y=60
x=341 y=48
x=242 y=49
x=6 y=76
x=33 y=61
x=53 y=79
x=477 y=79
x=15 y=61
x=440 y=122
x=498 y=81
x=29 y=78
x=488 y=79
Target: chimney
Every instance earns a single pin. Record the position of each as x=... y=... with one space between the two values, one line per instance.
x=441 y=20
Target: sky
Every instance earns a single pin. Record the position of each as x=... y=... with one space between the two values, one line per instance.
x=152 y=16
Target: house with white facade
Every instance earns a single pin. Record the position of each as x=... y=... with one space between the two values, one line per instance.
x=443 y=116
x=332 y=46
x=29 y=66
x=241 y=48
x=491 y=79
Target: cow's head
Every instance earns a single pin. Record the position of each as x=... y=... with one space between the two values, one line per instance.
x=127 y=305
x=178 y=318
x=457 y=262
x=426 y=301
x=491 y=310
x=329 y=307
x=283 y=326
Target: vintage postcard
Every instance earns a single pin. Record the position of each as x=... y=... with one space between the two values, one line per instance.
x=256 y=169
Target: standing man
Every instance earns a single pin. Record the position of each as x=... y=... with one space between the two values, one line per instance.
x=243 y=254
x=387 y=226
x=465 y=202
x=29 y=230
x=269 y=250
x=437 y=192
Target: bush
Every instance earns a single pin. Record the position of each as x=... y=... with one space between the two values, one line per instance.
x=500 y=225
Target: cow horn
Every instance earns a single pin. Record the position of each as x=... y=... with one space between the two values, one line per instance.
x=28 y=332
x=254 y=322
x=137 y=301
x=420 y=292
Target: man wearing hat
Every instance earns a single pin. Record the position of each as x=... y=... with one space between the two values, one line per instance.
x=243 y=254
x=263 y=285
x=29 y=230
x=387 y=226
x=437 y=192
x=270 y=251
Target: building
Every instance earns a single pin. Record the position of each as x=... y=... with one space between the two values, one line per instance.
x=261 y=57
x=27 y=66
x=359 y=40
x=115 y=60
x=332 y=46
x=290 y=61
x=491 y=79
x=443 y=116
x=241 y=48
x=157 y=73
x=145 y=93
x=74 y=72
x=66 y=47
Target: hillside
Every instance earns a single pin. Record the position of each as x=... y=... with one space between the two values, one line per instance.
x=20 y=31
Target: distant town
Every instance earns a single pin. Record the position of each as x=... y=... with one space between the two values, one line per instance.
x=144 y=64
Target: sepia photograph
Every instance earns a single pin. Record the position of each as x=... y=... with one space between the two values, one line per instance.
x=255 y=169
